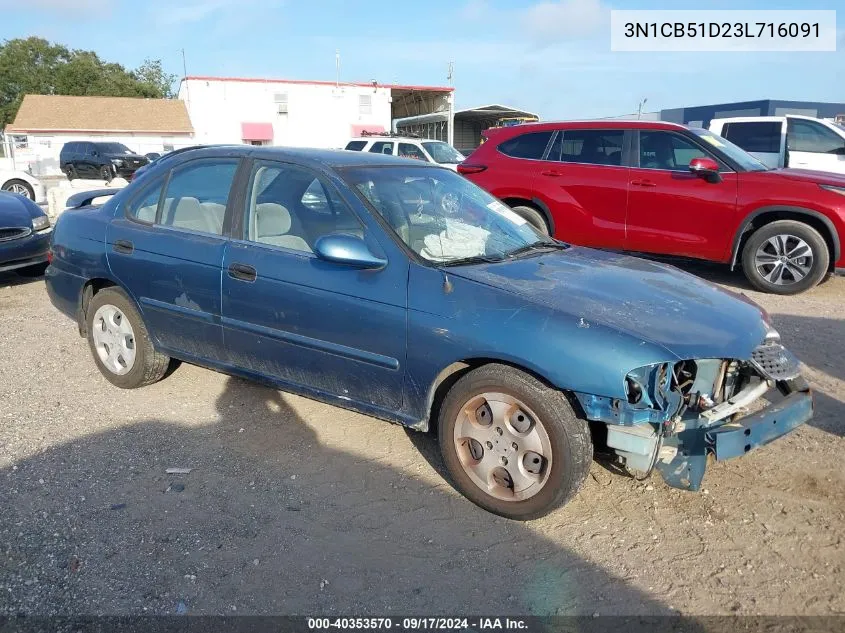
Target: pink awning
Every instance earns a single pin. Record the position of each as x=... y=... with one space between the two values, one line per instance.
x=257 y=131
x=357 y=130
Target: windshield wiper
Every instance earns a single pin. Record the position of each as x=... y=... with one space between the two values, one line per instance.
x=475 y=259
x=535 y=246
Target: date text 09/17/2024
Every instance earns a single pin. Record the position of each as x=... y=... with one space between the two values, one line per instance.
x=418 y=624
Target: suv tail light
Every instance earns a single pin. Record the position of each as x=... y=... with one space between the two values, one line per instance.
x=465 y=169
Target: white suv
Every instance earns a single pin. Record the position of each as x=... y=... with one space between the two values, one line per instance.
x=428 y=150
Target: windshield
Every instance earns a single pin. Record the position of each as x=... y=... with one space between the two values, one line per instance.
x=114 y=148
x=443 y=153
x=745 y=160
x=441 y=216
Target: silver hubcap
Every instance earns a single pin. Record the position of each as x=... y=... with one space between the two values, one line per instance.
x=503 y=446
x=19 y=189
x=114 y=339
x=784 y=259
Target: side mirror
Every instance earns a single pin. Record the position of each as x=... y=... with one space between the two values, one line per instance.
x=347 y=249
x=705 y=168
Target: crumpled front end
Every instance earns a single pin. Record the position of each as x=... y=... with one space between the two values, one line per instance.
x=676 y=413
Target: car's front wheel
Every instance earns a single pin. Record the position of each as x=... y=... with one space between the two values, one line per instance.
x=20 y=187
x=120 y=343
x=513 y=445
x=785 y=257
x=106 y=173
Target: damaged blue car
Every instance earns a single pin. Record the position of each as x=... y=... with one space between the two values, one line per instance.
x=403 y=291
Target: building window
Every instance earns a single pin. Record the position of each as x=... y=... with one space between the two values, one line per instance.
x=365 y=104
x=281 y=100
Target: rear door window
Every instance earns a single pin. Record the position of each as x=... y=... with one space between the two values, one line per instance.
x=197 y=195
x=356 y=146
x=531 y=145
x=594 y=147
x=382 y=147
x=754 y=136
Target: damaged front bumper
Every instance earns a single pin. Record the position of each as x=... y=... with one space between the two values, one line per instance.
x=735 y=438
x=678 y=414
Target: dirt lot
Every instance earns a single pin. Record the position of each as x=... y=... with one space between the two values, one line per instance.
x=294 y=507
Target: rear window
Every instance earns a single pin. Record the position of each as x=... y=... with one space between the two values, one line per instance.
x=756 y=136
x=530 y=145
x=355 y=146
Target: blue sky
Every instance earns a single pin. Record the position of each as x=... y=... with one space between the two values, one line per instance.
x=551 y=57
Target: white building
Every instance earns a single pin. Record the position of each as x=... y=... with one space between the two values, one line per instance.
x=304 y=113
x=44 y=123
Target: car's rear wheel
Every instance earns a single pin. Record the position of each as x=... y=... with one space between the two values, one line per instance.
x=533 y=216
x=70 y=172
x=513 y=445
x=120 y=343
x=106 y=173
x=20 y=187
x=785 y=257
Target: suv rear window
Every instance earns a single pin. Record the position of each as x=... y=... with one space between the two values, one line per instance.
x=530 y=145
x=355 y=146
x=754 y=136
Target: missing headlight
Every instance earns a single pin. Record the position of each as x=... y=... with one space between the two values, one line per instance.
x=633 y=389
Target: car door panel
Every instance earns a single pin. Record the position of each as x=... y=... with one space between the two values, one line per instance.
x=674 y=212
x=586 y=194
x=322 y=326
x=174 y=272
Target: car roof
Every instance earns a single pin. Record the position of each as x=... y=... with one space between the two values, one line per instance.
x=626 y=124
x=407 y=139
x=331 y=158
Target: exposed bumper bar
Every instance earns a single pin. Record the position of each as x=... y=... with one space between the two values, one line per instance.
x=734 y=440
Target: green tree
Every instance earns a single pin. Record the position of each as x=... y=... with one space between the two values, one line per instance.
x=36 y=66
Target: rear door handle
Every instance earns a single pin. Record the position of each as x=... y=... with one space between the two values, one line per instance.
x=242 y=272
x=643 y=183
x=123 y=246
x=552 y=174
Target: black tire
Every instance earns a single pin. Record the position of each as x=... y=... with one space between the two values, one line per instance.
x=149 y=366
x=795 y=230
x=533 y=216
x=70 y=172
x=569 y=436
x=106 y=173
x=16 y=182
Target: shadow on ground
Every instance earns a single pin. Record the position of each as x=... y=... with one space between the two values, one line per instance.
x=272 y=522
x=12 y=278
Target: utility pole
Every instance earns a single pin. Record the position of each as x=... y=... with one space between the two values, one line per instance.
x=337 y=67
x=640 y=108
x=185 y=75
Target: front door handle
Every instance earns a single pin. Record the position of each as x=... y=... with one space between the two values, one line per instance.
x=242 y=272
x=123 y=246
x=643 y=183
x=552 y=174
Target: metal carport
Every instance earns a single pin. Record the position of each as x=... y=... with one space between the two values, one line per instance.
x=469 y=124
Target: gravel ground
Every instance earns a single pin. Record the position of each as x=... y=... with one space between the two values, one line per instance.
x=295 y=507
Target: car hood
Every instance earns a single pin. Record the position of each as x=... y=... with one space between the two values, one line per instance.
x=805 y=176
x=656 y=303
x=14 y=211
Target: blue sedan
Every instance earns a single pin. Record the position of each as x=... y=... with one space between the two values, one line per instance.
x=403 y=291
x=24 y=234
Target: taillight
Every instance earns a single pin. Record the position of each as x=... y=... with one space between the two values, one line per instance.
x=50 y=256
x=465 y=169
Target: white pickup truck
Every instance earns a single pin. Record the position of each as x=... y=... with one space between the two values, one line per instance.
x=787 y=141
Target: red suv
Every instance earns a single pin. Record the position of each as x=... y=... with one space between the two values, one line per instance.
x=663 y=188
